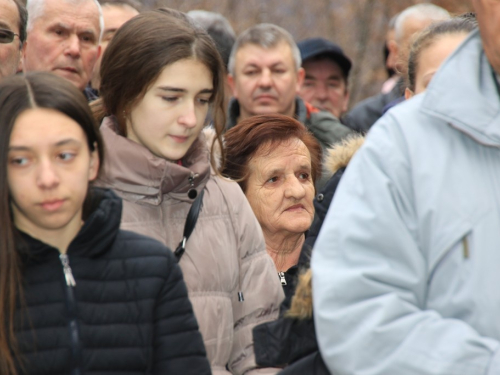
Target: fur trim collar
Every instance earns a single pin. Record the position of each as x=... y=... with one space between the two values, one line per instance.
x=340 y=154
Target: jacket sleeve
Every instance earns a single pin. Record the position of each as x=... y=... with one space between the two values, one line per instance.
x=178 y=345
x=370 y=276
x=259 y=283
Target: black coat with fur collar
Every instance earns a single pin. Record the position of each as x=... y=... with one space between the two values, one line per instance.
x=128 y=312
x=290 y=341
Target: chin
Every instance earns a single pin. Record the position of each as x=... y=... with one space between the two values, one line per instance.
x=298 y=227
x=265 y=110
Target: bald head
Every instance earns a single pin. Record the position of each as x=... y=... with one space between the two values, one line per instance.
x=409 y=24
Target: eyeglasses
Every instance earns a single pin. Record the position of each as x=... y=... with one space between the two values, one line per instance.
x=7 y=36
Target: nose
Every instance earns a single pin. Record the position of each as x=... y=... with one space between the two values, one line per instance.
x=294 y=188
x=265 y=78
x=322 y=92
x=47 y=177
x=188 y=118
x=72 y=46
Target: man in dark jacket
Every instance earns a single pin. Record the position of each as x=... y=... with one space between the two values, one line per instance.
x=265 y=76
x=326 y=75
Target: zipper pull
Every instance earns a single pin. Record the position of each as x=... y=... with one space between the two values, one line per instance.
x=281 y=275
x=68 y=274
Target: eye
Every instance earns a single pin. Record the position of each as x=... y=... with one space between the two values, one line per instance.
x=304 y=176
x=204 y=101
x=170 y=99
x=87 y=38
x=66 y=156
x=19 y=161
x=273 y=179
x=334 y=84
x=279 y=71
x=6 y=36
x=250 y=72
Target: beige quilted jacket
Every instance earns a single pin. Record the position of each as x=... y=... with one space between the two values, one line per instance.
x=224 y=255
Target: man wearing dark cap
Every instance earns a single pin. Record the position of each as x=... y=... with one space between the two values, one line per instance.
x=326 y=74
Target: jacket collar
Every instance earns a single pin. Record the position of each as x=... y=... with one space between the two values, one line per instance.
x=301 y=113
x=93 y=239
x=464 y=93
x=132 y=169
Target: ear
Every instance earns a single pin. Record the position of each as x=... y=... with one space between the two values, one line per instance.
x=345 y=106
x=301 y=75
x=99 y=51
x=408 y=93
x=232 y=85
x=392 y=58
x=94 y=164
x=22 y=64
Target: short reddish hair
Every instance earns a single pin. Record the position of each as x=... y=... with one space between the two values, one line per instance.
x=245 y=140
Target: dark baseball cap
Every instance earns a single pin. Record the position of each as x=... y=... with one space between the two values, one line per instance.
x=313 y=47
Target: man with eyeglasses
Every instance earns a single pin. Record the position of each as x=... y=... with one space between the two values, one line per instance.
x=12 y=36
x=63 y=38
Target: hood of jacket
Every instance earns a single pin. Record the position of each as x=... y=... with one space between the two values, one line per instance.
x=94 y=238
x=476 y=118
x=132 y=169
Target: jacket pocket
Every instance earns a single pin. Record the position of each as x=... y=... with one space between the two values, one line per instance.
x=450 y=272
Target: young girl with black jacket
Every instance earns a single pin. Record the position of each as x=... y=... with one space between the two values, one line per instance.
x=77 y=294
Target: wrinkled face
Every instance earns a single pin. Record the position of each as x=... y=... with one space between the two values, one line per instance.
x=64 y=40
x=10 y=53
x=488 y=17
x=49 y=169
x=280 y=188
x=114 y=17
x=433 y=56
x=170 y=116
x=265 y=80
x=324 y=86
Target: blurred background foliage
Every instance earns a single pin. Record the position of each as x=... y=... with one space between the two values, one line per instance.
x=358 y=26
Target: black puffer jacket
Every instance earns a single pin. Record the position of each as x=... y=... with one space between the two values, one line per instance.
x=128 y=312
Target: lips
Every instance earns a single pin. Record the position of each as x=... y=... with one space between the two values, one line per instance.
x=52 y=205
x=68 y=69
x=296 y=207
x=265 y=97
x=179 y=138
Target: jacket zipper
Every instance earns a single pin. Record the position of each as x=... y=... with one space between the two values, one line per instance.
x=281 y=275
x=71 y=303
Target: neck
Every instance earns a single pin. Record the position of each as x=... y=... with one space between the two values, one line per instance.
x=57 y=238
x=284 y=250
x=244 y=114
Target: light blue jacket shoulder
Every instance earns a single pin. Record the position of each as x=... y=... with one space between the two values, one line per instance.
x=406 y=266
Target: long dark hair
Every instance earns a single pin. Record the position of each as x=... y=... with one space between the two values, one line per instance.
x=18 y=94
x=138 y=53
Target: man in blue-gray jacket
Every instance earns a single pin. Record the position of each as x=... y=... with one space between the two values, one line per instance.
x=406 y=268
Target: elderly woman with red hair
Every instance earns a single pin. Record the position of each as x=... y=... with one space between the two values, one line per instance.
x=276 y=161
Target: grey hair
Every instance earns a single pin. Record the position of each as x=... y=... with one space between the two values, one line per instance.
x=35 y=11
x=265 y=35
x=219 y=29
x=422 y=12
x=206 y=20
